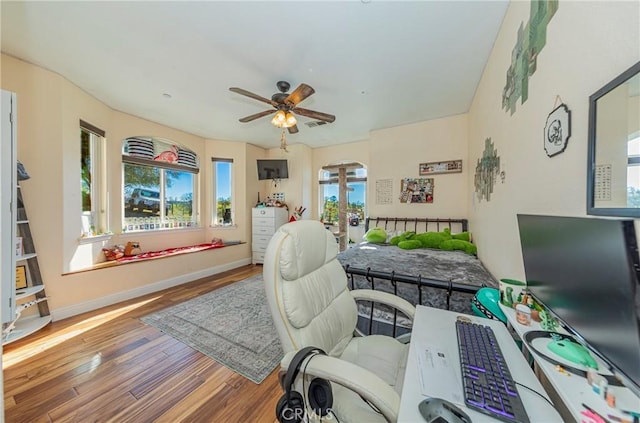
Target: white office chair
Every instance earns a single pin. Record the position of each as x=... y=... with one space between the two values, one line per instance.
x=311 y=305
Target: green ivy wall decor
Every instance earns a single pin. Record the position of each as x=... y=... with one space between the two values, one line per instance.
x=531 y=39
x=487 y=171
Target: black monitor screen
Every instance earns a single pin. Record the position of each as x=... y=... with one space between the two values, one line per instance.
x=272 y=169
x=585 y=271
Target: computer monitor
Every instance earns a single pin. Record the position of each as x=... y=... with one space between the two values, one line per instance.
x=585 y=272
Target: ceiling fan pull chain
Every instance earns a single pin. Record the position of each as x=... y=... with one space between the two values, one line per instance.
x=283 y=141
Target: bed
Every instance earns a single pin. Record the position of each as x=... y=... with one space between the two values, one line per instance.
x=436 y=278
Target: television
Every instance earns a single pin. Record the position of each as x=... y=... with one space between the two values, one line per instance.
x=585 y=272
x=272 y=169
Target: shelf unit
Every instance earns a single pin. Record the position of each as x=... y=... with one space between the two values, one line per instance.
x=34 y=294
x=19 y=316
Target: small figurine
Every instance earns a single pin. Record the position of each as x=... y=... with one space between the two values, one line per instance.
x=547 y=322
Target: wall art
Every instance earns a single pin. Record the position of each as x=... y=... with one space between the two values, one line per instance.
x=531 y=39
x=487 y=171
x=416 y=190
x=384 y=191
x=451 y=166
x=557 y=130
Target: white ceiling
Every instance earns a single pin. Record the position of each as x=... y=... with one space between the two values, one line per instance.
x=373 y=64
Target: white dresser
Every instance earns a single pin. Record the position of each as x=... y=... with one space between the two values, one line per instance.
x=266 y=221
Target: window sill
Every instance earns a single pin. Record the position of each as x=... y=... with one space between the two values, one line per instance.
x=94 y=238
x=159 y=231
x=155 y=255
x=232 y=226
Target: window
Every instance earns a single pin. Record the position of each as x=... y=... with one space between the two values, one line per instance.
x=330 y=196
x=158 y=188
x=223 y=189
x=94 y=219
x=633 y=172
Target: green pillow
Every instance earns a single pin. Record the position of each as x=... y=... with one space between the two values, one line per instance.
x=402 y=237
x=432 y=239
x=410 y=244
x=458 y=244
x=376 y=236
x=464 y=236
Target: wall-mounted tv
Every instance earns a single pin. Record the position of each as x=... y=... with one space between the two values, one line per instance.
x=272 y=169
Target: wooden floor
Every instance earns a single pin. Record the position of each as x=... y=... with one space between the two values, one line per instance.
x=108 y=366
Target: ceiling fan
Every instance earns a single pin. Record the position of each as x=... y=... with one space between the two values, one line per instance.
x=285 y=106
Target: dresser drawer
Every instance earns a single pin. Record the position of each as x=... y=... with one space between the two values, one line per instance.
x=264 y=230
x=264 y=221
x=260 y=242
x=263 y=212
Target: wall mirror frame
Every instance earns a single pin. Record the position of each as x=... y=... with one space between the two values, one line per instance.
x=613 y=164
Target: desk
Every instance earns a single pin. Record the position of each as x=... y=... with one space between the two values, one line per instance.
x=571 y=391
x=435 y=328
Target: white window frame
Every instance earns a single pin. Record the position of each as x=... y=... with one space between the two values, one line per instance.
x=95 y=222
x=217 y=221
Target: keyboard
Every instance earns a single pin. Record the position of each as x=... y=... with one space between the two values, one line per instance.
x=487 y=383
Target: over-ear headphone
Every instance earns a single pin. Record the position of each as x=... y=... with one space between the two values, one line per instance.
x=290 y=407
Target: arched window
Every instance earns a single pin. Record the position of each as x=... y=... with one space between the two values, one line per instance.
x=330 y=193
x=159 y=184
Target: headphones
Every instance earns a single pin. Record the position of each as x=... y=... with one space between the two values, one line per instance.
x=291 y=406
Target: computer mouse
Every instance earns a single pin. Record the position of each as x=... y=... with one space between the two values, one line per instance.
x=573 y=352
x=437 y=410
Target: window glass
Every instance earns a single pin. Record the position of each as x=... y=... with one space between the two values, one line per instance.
x=223 y=188
x=179 y=196
x=93 y=215
x=85 y=167
x=159 y=184
x=356 y=199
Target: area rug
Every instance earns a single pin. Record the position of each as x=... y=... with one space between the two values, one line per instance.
x=231 y=324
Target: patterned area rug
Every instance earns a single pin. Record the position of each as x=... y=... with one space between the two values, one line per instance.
x=231 y=324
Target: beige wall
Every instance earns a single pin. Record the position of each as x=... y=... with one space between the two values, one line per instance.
x=588 y=44
x=396 y=153
x=49 y=110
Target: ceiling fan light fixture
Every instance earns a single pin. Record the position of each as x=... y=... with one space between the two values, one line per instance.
x=279 y=120
x=290 y=120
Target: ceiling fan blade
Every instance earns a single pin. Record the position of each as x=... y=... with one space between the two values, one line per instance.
x=253 y=96
x=303 y=91
x=313 y=114
x=293 y=129
x=256 y=116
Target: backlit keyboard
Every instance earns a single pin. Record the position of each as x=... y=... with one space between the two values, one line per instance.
x=487 y=383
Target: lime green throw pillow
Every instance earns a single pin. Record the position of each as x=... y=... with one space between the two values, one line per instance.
x=376 y=236
x=458 y=244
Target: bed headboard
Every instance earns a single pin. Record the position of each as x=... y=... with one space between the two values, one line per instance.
x=416 y=224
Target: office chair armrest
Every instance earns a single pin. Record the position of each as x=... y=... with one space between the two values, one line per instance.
x=355 y=378
x=385 y=298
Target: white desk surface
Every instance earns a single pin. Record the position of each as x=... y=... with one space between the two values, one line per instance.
x=435 y=329
x=574 y=390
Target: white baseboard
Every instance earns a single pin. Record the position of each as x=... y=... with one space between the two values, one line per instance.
x=108 y=300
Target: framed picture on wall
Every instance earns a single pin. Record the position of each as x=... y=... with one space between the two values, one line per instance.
x=432 y=168
x=557 y=130
x=21 y=277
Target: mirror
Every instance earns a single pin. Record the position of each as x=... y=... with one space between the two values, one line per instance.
x=613 y=168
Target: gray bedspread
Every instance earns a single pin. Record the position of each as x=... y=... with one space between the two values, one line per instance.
x=455 y=266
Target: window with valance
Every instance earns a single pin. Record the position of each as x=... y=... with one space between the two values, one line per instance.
x=159 y=180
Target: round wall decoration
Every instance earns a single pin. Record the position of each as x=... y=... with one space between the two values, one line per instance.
x=557 y=130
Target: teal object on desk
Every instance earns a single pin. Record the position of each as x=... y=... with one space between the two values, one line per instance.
x=573 y=352
x=485 y=304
